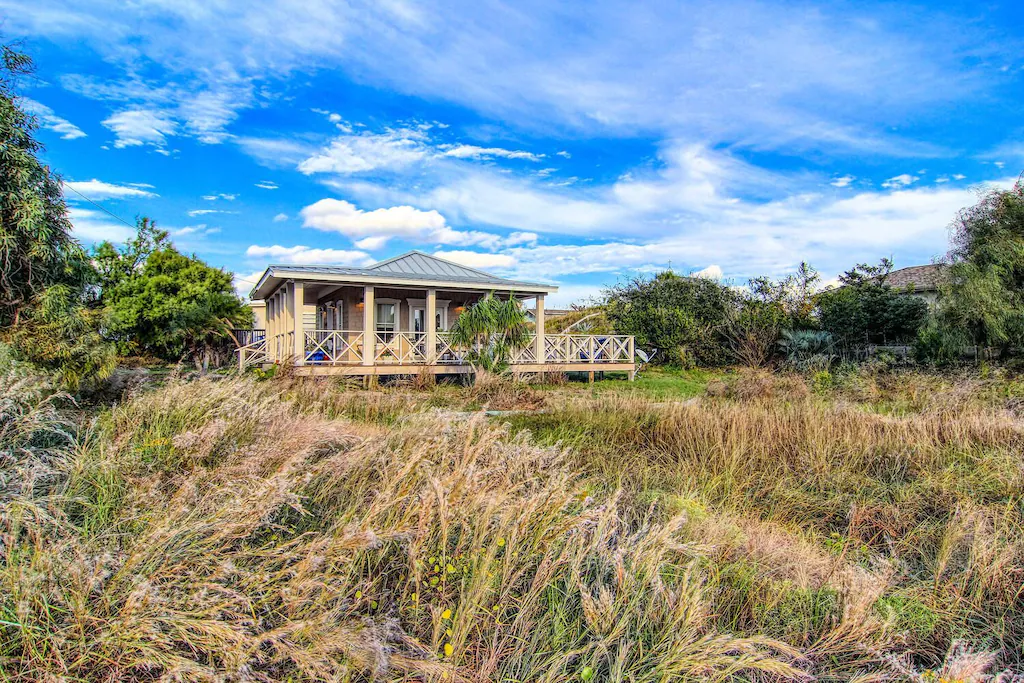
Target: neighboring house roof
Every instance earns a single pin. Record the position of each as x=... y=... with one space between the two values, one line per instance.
x=411 y=268
x=925 y=278
x=550 y=312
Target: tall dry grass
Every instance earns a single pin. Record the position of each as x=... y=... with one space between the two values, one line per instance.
x=930 y=505
x=217 y=531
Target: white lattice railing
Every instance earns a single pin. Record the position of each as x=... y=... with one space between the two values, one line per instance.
x=346 y=347
x=254 y=353
x=448 y=353
x=525 y=354
x=280 y=346
x=588 y=348
x=333 y=347
x=401 y=348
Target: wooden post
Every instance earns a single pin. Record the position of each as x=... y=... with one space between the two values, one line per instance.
x=275 y=319
x=632 y=358
x=539 y=349
x=430 y=340
x=369 y=327
x=298 y=301
x=269 y=313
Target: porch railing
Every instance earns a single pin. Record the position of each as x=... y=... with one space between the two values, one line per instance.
x=253 y=353
x=448 y=352
x=401 y=348
x=333 y=347
x=347 y=347
x=588 y=348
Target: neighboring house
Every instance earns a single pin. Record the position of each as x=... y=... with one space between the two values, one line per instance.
x=259 y=314
x=549 y=313
x=921 y=281
x=392 y=318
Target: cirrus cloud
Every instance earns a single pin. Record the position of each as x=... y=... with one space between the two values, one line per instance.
x=301 y=254
x=98 y=189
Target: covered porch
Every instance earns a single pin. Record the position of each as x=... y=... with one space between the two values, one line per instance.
x=346 y=321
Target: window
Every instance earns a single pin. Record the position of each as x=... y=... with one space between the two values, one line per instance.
x=386 y=318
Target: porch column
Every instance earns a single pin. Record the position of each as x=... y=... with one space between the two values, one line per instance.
x=539 y=350
x=369 y=326
x=298 y=299
x=277 y=325
x=269 y=333
x=430 y=342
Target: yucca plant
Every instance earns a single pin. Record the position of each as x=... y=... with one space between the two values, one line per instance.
x=492 y=329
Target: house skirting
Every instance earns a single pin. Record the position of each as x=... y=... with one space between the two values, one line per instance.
x=442 y=369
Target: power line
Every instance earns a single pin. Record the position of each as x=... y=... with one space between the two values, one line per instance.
x=99 y=206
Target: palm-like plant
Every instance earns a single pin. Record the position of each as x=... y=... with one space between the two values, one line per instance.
x=492 y=329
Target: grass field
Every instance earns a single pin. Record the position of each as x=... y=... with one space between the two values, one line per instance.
x=689 y=526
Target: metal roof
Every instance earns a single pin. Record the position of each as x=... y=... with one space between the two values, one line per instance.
x=410 y=266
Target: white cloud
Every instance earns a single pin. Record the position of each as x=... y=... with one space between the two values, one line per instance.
x=517 y=238
x=225 y=197
x=98 y=189
x=95 y=226
x=475 y=259
x=266 y=185
x=276 y=152
x=346 y=154
x=842 y=181
x=373 y=229
x=136 y=127
x=371 y=243
x=280 y=218
x=309 y=255
x=474 y=152
x=958 y=176
x=335 y=215
x=204 y=212
x=901 y=180
x=200 y=230
x=244 y=282
x=819 y=78
x=49 y=120
x=712 y=272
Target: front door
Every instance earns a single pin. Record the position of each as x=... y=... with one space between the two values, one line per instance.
x=419 y=317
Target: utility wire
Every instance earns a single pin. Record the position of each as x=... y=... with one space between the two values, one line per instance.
x=99 y=206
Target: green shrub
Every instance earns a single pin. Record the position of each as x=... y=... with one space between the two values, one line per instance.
x=682 y=316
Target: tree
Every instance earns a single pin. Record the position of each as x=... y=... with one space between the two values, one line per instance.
x=769 y=308
x=866 y=310
x=984 y=293
x=683 y=316
x=61 y=335
x=114 y=265
x=44 y=273
x=492 y=329
x=36 y=246
x=174 y=306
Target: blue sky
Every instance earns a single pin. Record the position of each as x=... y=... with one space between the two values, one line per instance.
x=577 y=143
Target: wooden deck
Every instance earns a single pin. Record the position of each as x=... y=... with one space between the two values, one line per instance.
x=352 y=353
